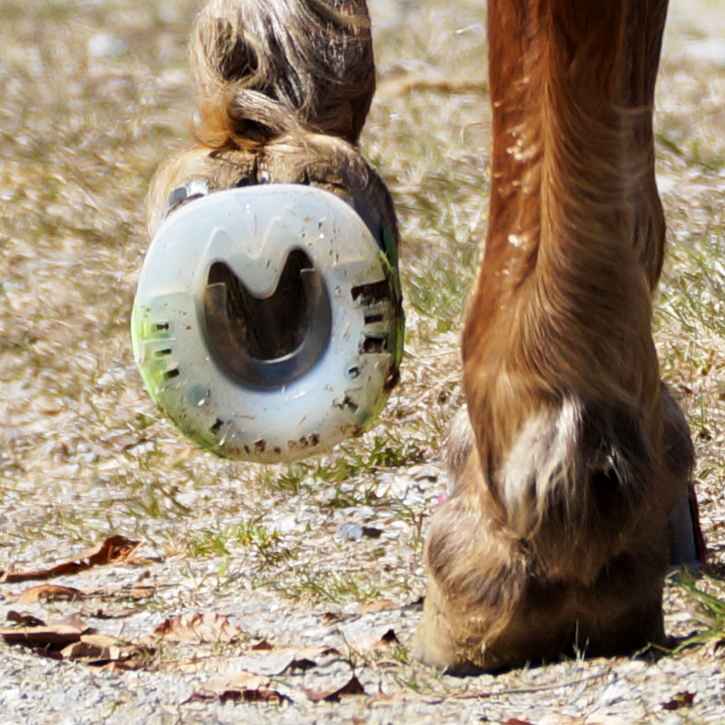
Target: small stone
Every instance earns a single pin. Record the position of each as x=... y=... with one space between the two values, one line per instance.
x=350 y=532
x=615 y=693
x=632 y=668
x=601 y=718
x=356 y=532
x=666 y=184
x=708 y=50
x=286 y=524
x=105 y=45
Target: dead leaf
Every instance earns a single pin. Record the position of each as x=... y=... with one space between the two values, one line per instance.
x=250 y=696
x=109 y=616
x=516 y=721
x=262 y=646
x=114 y=550
x=351 y=688
x=101 y=650
x=115 y=597
x=240 y=687
x=135 y=593
x=51 y=637
x=680 y=701
x=199 y=628
x=238 y=680
x=138 y=592
x=333 y=617
x=379 y=605
x=49 y=593
x=71 y=620
x=97 y=646
x=53 y=593
x=24 y=619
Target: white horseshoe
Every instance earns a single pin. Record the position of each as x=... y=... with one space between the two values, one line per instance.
x=217 y=392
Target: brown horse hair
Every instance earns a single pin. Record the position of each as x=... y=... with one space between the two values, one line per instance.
x=563 y=483
x=558 y=334
x=265 y=69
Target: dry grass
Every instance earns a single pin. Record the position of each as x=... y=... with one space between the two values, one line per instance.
x=83 y=452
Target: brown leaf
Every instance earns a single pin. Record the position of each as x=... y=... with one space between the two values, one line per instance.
x=72 y=620
x=333 y=617
x=516 y=721
x=200 y=628
x=351 y=688
x=240 y=687
x=49 y=593
x=240 y=696
x=139 y=592
x=379 y=605
x=101 y=650
x=53 y=637
x=262 y=695
x=24 y=619
x=135 y=593
x=262 y=646
x=679 y=701
x=238 y=680
x=94 y=647
x=114 y=550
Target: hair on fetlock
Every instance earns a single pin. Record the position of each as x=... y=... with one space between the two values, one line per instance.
x=264 y=69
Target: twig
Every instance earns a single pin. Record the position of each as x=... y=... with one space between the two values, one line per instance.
x=406 y=86
x=529 y=690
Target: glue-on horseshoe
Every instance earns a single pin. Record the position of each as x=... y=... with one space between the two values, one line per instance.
x=267 y=323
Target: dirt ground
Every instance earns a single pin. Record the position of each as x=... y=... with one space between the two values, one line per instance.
x=244 y=593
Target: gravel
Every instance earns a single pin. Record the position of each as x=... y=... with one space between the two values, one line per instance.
x=292 y=558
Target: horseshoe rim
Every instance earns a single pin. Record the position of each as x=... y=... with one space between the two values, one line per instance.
x=370 y=369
